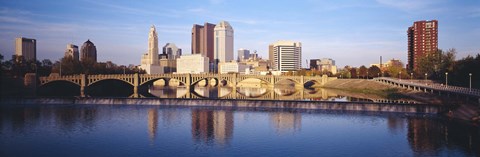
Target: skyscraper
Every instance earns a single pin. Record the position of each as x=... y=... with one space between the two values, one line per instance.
x=26 y=47
x=172 y=51
x=270 y=56
x=72 y=51
x=89 y=51
x=243 y=54
x=223 y=44
x=150 y=60
x=286 y=55
x=202 y=40
x=422 y=40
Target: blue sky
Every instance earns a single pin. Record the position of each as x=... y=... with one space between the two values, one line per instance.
x=351 y=32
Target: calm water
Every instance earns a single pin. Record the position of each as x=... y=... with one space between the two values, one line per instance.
x=117 y=130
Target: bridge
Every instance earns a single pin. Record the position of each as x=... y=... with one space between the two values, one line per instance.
x=187 y=80
x=430 y=87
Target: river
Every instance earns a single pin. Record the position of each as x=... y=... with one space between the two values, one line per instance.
x=108 y=129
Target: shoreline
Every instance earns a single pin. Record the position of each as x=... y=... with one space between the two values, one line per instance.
x=260 y=104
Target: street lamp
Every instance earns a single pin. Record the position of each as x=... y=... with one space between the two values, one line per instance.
x=367 y=75
x=378 y=74
x=470 y=74
x=446 y=79
x=400 y=75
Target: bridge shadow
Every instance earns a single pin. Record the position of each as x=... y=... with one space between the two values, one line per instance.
x=59 y=89
x=109 y=88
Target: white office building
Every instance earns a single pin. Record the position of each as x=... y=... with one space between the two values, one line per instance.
x=27 y=48
x=287 y=56
x=223 y=42
x=72 y=51
x=192 y=64
x=232 y=67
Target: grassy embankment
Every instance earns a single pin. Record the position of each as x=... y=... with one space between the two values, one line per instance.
x=366 y=87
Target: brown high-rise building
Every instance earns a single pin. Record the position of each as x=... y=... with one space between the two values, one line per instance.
x=88 y=51
x=202 y=40
x=422 y=40
x=270 y=56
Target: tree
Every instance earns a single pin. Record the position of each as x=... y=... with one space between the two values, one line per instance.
x=374 y=71
x=362 y=71
x=436 y=64
x=353 y=72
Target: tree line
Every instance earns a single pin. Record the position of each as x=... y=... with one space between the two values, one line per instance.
x=17 y=67
x=436 y=66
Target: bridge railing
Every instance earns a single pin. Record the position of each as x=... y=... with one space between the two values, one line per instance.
x=435 y=86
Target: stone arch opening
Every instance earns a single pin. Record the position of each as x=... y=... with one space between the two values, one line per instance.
x=312 y=84
x=252 y=92
x=253 y=82
x=109 y=88
x=62 y=88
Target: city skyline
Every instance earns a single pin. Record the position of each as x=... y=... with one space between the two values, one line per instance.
x=343 y=31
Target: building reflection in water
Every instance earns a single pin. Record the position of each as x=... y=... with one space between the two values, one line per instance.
x=207 y=92
x=224 y=91
x=427 y=137
x=152 y=123
x=395 y=124
x=168 y=92
x=286 y=122
x=252 y=92
x=210 y=126
x=66 y=119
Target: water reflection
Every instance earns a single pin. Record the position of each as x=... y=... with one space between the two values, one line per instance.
x=31 y=125
x=265 y=93
x=428 y=137
x=211 y=126
x=152 y=123
x=286 y=122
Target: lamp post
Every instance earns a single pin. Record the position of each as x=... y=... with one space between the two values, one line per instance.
x=470 y=74
x=400 y=75
x=411 y=77
x=378 y=74
x=123 y=70
x=446 y=79
x=425 y=78
x=367 y=75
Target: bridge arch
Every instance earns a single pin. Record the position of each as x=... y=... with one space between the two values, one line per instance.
x=166 y=79
x=110 y=88
x=287 y=79
x=57 y=81
x=59 y=88
x=107 y=79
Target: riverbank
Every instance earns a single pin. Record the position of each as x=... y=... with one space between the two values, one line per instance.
x=382 y=90
x=461 y=110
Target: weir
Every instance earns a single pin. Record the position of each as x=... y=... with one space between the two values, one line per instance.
x=255 y=104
